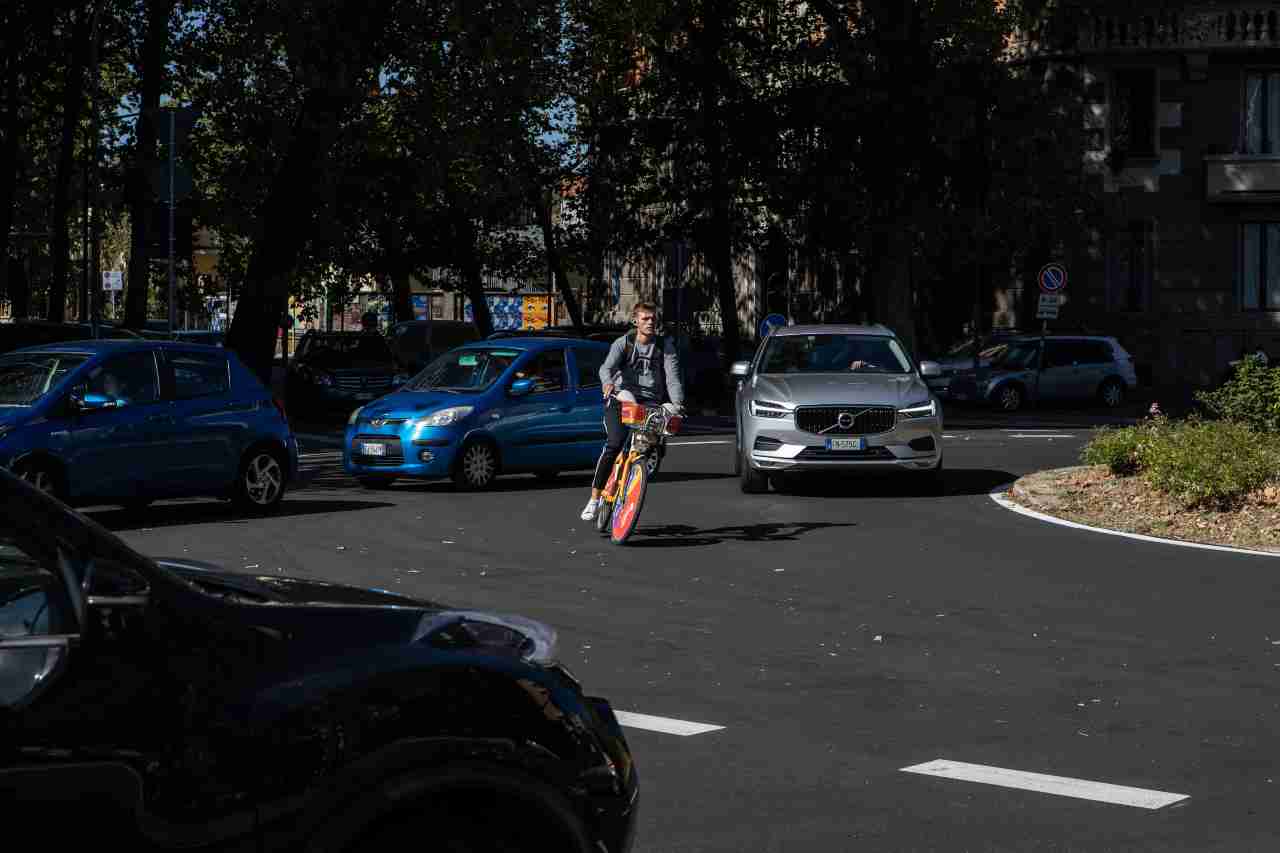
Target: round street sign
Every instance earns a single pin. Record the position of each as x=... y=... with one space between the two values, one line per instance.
x=773 y=321
x=1053 y=278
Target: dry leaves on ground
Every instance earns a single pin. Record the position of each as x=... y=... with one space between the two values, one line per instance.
x=1092 y=495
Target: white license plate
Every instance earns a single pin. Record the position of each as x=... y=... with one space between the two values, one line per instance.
x=373 y=449
x=846 y=444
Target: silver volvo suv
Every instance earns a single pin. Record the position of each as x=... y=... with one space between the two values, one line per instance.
x=835 y=398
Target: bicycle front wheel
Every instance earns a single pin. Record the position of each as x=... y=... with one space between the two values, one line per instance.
x=626 y=512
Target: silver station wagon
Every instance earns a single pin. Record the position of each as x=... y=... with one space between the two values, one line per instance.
x=835 y=398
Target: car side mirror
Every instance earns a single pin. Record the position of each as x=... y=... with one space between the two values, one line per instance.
x=520 y=387
x=930 y=368
x=740 y=368
x=27 y=669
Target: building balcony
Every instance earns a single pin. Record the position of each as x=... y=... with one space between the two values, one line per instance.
x=1195 y=27
x=1242 y=178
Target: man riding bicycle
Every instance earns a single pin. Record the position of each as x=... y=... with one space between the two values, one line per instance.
x=644 y=364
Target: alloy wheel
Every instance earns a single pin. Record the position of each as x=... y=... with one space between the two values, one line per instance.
x=263 y=479
x=478 y=466
x=1010 y=398
x=40 y=478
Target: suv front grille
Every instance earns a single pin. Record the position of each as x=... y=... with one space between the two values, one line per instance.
x=866 y=420
x=394 y=454
x=820 y=453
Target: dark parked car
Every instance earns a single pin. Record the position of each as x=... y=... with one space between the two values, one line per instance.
x=959 y=359
x=200 y=336
x=607 y=334
x=416 y=343
x=170 y=704
x=1051 y=369
x=340 y=371
x=132 y=421
x=30 y=333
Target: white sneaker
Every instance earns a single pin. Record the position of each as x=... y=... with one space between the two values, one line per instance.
x=589 y=511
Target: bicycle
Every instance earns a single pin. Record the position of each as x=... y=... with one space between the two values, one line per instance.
x=648 y=428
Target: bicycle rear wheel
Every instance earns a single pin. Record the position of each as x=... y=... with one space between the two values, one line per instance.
x=626 y=511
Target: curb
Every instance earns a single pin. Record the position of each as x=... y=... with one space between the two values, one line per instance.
x=998 y=494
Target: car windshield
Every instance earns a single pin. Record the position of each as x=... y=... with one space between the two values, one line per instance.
x=464 y=370
x=1020 y=355
x=26 y=377
x=834 y=353
x=349 y=350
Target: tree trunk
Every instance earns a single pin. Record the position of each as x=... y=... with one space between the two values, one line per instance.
x=19 y=290
x=472 y=274
x=720 y=242
x=72 y=98
x=265 y=295
x=555 y=263
x=401 y=288
x=155 y=50
x=11 y=127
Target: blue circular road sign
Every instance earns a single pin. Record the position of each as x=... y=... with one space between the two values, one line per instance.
x=1053 y=278
x=773 y=321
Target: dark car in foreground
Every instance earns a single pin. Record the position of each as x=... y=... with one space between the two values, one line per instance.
x=129 y=422
x=416 y=343
x=30 y=333
x=169 y=704
x=332 y=372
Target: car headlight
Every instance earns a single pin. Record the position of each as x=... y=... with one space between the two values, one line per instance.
x=919 y=410
x=351 y=421
x=446 y=417
x=767 y=409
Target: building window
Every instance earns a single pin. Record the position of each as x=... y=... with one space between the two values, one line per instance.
x=1133 y=114
x=1132 y=266
x=437 y=306
x=1260 y=266
x=1261 y=126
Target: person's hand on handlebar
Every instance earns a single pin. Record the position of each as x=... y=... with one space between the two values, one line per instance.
x=608 y=389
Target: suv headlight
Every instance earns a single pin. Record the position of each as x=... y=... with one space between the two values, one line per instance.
x=767 y=409
x=446 y=417
x=919 y=410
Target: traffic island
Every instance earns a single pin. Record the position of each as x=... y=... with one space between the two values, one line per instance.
x=1093 y=496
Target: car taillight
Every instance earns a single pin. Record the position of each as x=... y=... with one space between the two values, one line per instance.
x=284 y=416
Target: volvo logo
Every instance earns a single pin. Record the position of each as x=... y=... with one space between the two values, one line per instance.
x=845 y=420
x=377 y=422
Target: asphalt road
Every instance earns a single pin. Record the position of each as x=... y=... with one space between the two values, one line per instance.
x=839 y=633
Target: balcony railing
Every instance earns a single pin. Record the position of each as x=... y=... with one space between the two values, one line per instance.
x=1238 y=26
x=1242 y=177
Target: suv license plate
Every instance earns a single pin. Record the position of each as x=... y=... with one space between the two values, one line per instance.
x=373 y=449
x=846 y=444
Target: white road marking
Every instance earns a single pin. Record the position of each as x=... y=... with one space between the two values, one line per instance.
x=1062 y=786
x=998 y=496
x=1031 y=429
x=1041 y=435
x=666 y=725
x=690 y=443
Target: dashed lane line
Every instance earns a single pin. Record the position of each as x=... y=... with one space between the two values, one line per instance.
x=1062 y=786
x=665 y=725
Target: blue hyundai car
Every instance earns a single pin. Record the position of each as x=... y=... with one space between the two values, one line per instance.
x=530 y=405
x=129 y=422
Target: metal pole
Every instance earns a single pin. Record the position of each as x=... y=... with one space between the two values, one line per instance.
x=172 y=145
x=89 y=305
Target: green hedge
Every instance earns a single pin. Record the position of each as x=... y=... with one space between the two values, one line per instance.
x=1201 y=463
x=1251 y=396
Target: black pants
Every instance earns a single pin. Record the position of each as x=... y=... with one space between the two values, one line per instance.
x=615 y=435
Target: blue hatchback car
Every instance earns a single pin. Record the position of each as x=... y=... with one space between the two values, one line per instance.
x=129 y=422
x=514 y=405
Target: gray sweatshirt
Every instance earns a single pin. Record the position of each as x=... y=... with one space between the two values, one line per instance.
x=645 y=375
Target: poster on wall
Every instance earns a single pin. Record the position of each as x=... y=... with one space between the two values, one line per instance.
x=507 y=312
x=536 y=313
x=421 y=306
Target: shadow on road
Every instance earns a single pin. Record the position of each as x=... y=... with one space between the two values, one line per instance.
x=205 y=512
x=685 y=536
x=957 y=481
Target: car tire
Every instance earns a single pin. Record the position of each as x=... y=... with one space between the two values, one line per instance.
x=260 y=482
x=44 y=476
x=1008 y=398
x=737 y=458
x=753 y=482
x=1111 y=394
x=476 y=467
x=376 y=483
